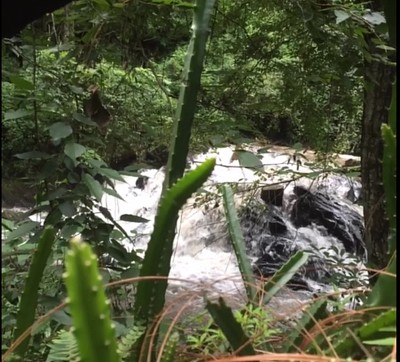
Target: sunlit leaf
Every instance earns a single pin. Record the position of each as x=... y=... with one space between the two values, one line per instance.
x=74 y=150
x=76 y=90
x=374 y=18
x=216 y=140
x=60 y=130
x=341 y=16
x=110 y=173
x=83 y=119
x=112 y=193
x=32 y=155
x=22 y=230
x=19 y=113
x=248 y=160
x=94 y=186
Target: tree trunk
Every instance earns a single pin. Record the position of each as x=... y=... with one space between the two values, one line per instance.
x=377 y=95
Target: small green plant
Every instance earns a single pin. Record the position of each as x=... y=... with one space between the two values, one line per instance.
x=255 y=322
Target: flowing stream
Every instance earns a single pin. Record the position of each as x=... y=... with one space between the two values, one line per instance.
x=203 y=255
x=329 y=225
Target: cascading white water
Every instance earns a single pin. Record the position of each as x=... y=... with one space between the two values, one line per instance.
x=202 y=253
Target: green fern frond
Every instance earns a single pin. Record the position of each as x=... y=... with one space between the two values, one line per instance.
x=127 y=342
x=63 y=348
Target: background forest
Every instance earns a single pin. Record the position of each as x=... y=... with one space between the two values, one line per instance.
x=281 y=70
x=315 y=73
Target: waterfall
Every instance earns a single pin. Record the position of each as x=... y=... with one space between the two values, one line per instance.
x=202 y=252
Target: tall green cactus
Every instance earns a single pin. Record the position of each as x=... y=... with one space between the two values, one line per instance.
x=150 y=295
x=188 y=94
x=89 y=307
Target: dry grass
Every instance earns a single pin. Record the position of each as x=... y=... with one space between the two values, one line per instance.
x=189 y=302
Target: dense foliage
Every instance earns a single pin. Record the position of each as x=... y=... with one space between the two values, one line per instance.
x=277 y=69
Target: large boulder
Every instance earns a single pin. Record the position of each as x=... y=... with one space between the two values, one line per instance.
x=340 y=220
x=271 y=244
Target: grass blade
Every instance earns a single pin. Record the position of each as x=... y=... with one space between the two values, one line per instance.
x=233 y=331
x=238 y=244
x=28 y=303
x=284 y=274
x=316 y=311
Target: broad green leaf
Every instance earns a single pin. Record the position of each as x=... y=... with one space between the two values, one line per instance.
x=94 y=186
x=249 y=160
x=71 y=229
x=96 y=163
x=31 y=155
x=113 y=193
x=57 y=193
x=110 y=173
x=341 y=16
x=60 y=130
x=21 y=83
x=68 y=208
x=76 y=90
x=133 y=218
x=7 y=224
x=22 y=230
x=119 y=253
x=216 y=140
x=19 y=113
x=83 y=119
x=74 y=150
x=62 y=317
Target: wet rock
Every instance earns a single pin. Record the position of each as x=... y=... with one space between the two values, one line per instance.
x=272 y=195
x=339 y=219
x=15 y=214
x=259 y=221
x=141 y=182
